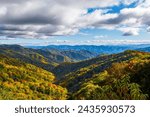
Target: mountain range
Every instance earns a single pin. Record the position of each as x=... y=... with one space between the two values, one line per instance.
x=96 y=49
x=74 y=72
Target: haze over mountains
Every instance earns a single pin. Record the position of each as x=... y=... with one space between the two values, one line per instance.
x=101 y=49
x=74 y=72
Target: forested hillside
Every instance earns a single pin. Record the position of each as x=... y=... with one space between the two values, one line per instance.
x=94 y=65
x=46 y=59
x=52 y=74
x=19 y=80
x=119 y=76
x=126 y=80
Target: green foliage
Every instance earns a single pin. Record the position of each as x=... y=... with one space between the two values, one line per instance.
x=23 y=81
x=124 y=80
x=109 y=88
x=24 y=74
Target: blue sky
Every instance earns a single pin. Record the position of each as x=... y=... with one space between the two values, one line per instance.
x=68 y=22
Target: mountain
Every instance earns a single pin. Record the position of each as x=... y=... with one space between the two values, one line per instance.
x=78 y=55
x=27 y=55
x=118 y=76
x=96 y=49
x=47 y=59
x=102 y=61
x=126 y=80
x=27 y=73
x=147 y=49
x=22 y=81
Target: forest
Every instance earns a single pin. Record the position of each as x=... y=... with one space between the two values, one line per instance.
x=54 y=74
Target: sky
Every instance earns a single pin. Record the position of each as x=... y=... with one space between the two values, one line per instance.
x=74 y=22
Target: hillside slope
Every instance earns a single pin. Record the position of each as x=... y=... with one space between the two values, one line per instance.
x=47 y=59
x=20 y=80
x=117 y=76
x=97 y=64
x=127 y=80
x=30 y=74
x=40 y=58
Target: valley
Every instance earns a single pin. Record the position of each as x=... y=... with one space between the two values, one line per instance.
x=75 y=72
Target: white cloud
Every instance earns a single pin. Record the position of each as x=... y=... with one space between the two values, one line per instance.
x=148 y=29
x=128 y=31
x=145 y=3
x=128 y=2
x=44 y=18
x=83 y=34
x=116 y=42
x=100 y=36
x=3 y=11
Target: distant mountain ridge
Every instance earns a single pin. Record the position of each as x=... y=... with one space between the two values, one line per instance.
x=96 y=49
x=44 y=58
x=27 y=55
x=147 y=49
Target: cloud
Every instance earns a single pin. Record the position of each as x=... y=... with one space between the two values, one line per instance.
x=116 y=42
x=83 y=34
x=148 y=29
x=45 y=18
x=100 y=36
x=128 y=2
x=127 y=31
x=129 y=20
